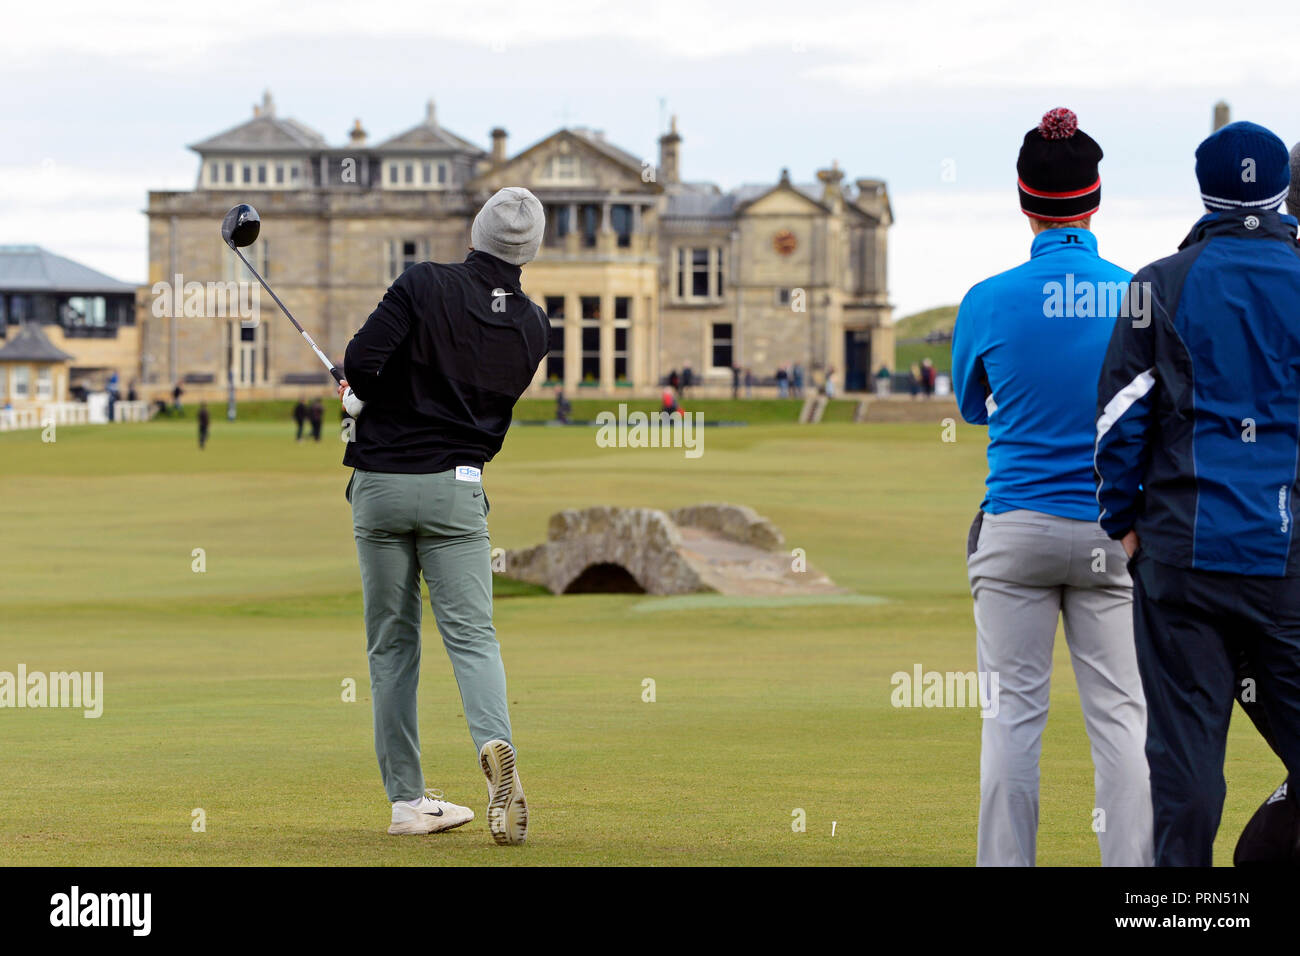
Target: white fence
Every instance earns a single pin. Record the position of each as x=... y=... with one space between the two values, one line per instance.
x=13 y=419
x=133 y=411
x=69 y=413
x=65 y=413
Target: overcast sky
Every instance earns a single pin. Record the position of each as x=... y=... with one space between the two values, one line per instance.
x=100 y=100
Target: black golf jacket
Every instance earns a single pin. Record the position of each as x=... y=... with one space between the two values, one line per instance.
x=440 y=364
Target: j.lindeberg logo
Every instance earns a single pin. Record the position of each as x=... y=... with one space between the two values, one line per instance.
x=131 y=910
x=1283 y=511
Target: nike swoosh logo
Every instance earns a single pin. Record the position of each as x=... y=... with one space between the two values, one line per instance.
x=478 y=494
x=430 y=813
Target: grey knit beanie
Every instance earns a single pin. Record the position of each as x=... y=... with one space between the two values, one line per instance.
x=509 y=226
x=1293 y=198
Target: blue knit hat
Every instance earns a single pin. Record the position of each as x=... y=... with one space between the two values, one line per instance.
x=1242 y=166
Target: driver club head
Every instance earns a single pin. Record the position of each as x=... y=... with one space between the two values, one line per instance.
x=241 y=226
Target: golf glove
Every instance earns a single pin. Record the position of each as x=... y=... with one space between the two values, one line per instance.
x=351 y=404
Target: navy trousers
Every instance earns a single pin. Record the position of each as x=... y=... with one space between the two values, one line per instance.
x=1192 y=628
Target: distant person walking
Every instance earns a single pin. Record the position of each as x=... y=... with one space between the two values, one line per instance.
x=688 y=379
x=736 y=373
x=884 y=383
x=300 y=417
x=782 y=382
x=796 y=380
x=316 y=415
x=204 y=421
x=1035 y=554
x=114 y=395
x=749 y=383
x=828 y=385
x=928 y=377
x=177 y=392
x=562 y=407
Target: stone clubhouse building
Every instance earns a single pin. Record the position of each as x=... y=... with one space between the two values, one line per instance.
x=640 y=271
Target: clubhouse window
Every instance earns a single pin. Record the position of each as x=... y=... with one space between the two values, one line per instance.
x=698 y=273
x=589 y=216
x=722 y=354
x=620 y=217
x=622 y=335
x=555 y=357
x=557 y=223
x=590 y=339
x=404 y=253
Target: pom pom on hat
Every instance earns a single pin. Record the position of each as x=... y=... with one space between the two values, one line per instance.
x=1059 y=123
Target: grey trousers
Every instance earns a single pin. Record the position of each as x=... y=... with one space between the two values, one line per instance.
x=1028 y=569
x=435 y=524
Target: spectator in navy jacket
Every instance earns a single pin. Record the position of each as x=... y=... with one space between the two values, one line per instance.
x=1197 y=442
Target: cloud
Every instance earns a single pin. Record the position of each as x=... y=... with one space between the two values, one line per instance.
x=883 y=44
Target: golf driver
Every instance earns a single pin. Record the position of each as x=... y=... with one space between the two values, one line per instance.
x=240 y=228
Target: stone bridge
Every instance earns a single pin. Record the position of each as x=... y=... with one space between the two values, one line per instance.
x=709 y=547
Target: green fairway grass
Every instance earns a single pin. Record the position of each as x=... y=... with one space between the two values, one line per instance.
x=224 y=689
x=757 y=411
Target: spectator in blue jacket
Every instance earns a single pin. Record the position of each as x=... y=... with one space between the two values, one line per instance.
x=1027 y=348
x=1198 y=435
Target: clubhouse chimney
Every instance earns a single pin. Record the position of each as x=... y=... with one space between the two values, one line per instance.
x=1222 y=115
x=832 y=193
x=498 y=146
x=670 y=155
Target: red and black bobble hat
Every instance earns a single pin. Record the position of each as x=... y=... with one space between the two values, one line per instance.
x=1057 y=170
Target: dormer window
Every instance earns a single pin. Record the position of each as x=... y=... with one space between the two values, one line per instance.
x=410 y=174
x=266 y=173
x=561 y=169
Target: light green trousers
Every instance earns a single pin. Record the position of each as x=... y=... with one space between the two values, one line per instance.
x=405 y=524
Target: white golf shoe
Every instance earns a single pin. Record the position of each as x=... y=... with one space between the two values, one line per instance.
x=432 y=814
x=507 y=809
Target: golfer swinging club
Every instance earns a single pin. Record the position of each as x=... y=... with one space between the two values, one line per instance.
x=434 y=376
